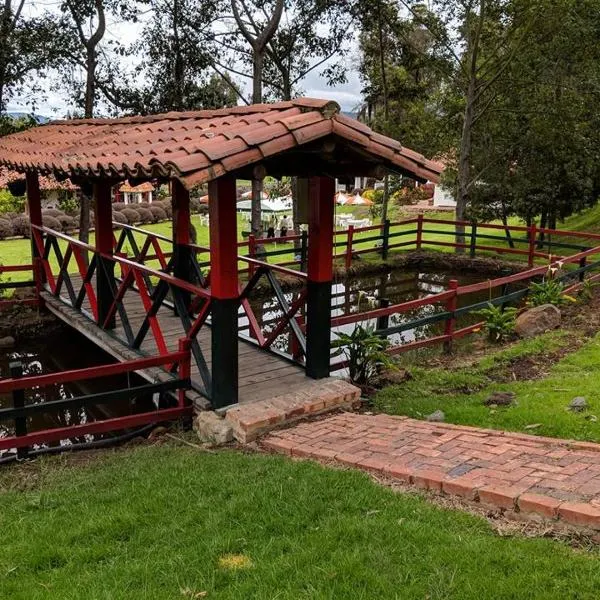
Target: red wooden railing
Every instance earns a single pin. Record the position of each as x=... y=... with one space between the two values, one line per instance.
x=448 y=300
x=20 y=413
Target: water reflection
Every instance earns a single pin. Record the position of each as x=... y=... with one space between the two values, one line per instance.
x=361 y=294
x=64 y=350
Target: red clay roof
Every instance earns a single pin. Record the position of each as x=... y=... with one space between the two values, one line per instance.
x=146 y=186
x=198 y=146
x=47 y=184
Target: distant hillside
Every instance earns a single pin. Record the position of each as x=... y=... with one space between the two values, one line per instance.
x=22 y=115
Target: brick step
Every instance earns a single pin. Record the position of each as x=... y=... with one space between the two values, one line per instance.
x=251 y=420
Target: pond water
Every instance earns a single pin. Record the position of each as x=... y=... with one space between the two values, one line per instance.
x=63 y=350
x=361 y=294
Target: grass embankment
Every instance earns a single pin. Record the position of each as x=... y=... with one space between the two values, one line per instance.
x=175 y=523
x=544 y=385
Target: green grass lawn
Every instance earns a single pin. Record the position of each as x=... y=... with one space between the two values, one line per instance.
x=174 y=523
x=460 y=391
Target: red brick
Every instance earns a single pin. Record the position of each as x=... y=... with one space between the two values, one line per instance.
x=279 y=445
x=401 y=472
x=500 y=496
x=541 y=505
x=459 y=487
x=373 y=464
x=582 y=514
x=428 y=480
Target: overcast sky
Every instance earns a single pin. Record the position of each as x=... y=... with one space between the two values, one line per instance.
x=56 y=104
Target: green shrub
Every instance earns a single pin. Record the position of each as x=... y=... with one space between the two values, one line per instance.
x=499 y=322
x=549 y=291
x=10 y=203
x=21 y=226
x=365 y=352
x=586 y=291
x=6 y=229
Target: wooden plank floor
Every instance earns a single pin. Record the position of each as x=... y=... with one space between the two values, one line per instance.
x=262 y=374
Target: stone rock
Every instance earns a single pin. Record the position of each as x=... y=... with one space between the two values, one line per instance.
x=394 y=376
x=6 y=343
x=212 y=429
x=578 y=404
x=436 y=417
x=500 y=399
x=537 y=320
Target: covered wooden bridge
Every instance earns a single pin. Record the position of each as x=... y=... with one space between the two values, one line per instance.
x=162 y=312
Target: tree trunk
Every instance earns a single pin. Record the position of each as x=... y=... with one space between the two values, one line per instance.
x=511 y=243
x=464 y=164
x=257 y=184
x=543 y=223
x=90 y=91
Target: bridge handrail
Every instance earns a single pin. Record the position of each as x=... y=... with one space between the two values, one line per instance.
x=166 y=277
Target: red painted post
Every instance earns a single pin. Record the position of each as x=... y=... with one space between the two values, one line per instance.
x=105 y=267
x=224 y=289
x=450 y=322
x=251 y=253
x=320 y=275
x=349 y=246
x=419 y=231
x=34 y=203
x=532 y=233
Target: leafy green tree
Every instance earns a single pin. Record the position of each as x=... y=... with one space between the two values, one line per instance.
x=27 y=45
x=537 y=150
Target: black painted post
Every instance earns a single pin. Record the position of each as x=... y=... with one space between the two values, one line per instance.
x=386 y=239
x=505 y=289
x=383 y=322
x=582 y=263
x=16 y=372
x=303 y=250
x=182 y=253
x=473 y=239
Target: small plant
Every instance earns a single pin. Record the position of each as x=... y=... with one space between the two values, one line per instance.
x=365 y=352
x=586 y=291
x=499 y=322
x=548 y=291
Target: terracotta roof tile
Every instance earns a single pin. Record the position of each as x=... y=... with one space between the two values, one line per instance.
x=197 y=146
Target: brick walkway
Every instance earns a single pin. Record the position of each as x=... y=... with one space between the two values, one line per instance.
x=556 y=479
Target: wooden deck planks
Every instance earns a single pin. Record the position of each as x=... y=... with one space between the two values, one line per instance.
x=262 y=374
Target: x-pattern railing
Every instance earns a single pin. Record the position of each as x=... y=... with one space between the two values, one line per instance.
x=291 y=317
x=150 y=286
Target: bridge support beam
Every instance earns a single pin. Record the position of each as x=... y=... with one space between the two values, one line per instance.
x=182 y=253
x=320 y=275
x=34 y=205
x=224 y=289
x=105 y=267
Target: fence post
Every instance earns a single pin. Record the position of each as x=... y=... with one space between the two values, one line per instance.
x=350 y=236
x=386 y=239
x=532 y=233
x=582 y=263
x=505 y=286
x=383 y=322
x=185 y=369
x=419 y=231
x=303 y=250
x=451 y=321
x=251 y=253
x=473 y=247
x=16 y=372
